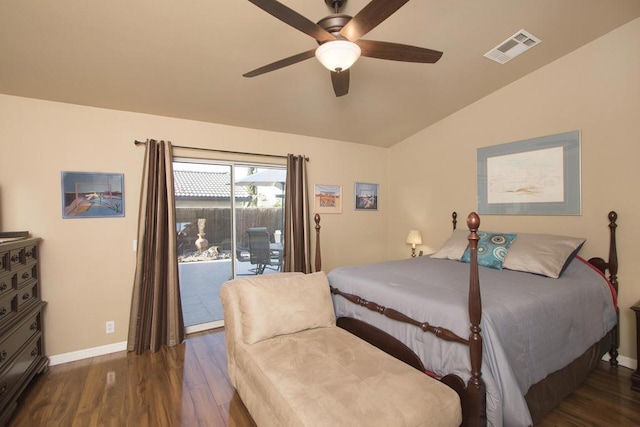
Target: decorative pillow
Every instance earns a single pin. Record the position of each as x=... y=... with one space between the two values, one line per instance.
x=543 y=254
x=284 y=304
x=455 y=246
x=492 y=249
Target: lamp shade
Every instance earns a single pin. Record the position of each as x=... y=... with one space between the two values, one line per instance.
x=414 y=237
x=338 y=55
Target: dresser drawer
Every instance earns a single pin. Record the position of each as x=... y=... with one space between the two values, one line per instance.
x=16 y=257
x=10 y=345
x=6 y=284
x=30 y=254
x=8 y=308
x=25 y=274
x=26 y=295
x=12 y=373
x=4 y=261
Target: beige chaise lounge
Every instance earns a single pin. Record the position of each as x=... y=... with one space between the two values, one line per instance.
x=292 y=366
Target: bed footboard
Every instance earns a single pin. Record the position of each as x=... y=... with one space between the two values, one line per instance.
x=473 y=395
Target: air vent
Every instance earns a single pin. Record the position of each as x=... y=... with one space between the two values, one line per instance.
x=512 y=47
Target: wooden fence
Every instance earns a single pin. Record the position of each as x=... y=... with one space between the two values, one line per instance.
x=218 y=225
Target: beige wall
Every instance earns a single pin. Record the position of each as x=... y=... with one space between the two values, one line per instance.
x=596 y=90
x=87 y=265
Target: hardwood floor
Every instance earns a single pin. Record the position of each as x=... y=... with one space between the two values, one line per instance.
x=188 y=386
x=185 y=385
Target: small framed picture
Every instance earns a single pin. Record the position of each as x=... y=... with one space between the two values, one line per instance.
x=327 y=198
x=92 y=195
x=366 y=196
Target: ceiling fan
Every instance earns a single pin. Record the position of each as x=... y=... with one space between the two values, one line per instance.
x=339 y=38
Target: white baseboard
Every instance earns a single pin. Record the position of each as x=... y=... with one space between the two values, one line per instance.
x=625 y=361
x=115 y=347
x=58 y=359
x=87 y=353
x=203 y=327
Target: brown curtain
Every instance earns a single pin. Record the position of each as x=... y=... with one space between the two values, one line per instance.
x=156 y=313
x=297 y=243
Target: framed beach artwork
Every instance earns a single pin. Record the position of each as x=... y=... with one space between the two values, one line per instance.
x=366 y=196
x=539 y=176
x=327 y=198
x=92 y=195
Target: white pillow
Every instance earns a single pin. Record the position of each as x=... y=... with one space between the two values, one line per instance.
x=455 y=246
x=544 y=254
x=276 y=304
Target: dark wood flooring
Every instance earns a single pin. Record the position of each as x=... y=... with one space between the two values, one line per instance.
x=188 y=386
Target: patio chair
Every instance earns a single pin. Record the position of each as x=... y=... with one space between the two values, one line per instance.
x=260 y=253
x=242 y=255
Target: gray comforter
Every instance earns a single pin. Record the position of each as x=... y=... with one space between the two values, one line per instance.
x=531 y=325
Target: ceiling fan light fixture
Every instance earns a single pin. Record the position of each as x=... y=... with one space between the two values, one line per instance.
x=338 y=55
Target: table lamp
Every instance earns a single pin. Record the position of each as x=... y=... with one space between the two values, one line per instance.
x=414 y=238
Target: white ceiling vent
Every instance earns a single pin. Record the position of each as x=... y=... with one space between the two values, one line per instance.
x=512 y=47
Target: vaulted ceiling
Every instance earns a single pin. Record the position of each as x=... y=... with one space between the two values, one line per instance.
x=185 y=59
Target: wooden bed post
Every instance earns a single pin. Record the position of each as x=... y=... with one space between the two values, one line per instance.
x=475 y=385
x=612 y=266
x=613 y=252
x=318 y=253
x=613 y=278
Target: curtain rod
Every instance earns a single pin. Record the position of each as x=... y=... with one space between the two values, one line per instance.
x=136 y=142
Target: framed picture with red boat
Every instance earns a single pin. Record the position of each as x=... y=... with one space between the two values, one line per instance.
x=92 y=195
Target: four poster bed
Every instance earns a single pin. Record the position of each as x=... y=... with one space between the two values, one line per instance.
x=537 y=333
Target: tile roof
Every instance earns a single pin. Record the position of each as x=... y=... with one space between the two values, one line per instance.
x=206 y=185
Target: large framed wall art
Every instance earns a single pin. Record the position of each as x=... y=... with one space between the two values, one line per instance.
x=538 y=176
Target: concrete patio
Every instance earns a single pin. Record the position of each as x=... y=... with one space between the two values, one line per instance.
x=200 y=284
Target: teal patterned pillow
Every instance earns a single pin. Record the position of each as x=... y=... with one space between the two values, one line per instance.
x=492 y=249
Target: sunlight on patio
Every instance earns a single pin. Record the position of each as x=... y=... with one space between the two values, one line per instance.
x=200 y=284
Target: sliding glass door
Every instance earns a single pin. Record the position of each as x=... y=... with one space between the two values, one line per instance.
x=259 y=224
x=217 y=232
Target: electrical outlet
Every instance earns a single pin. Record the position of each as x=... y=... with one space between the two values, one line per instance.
x=135 y=245
x=111 y=377
x=111 y=327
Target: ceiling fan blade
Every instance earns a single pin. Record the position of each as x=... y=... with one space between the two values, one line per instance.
x=293 y=18
x=281 y=63
x=369 y=17
x=340 y=82
x=398 y=52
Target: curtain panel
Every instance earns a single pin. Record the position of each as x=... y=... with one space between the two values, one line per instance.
x=297 y=244
x=156 y=311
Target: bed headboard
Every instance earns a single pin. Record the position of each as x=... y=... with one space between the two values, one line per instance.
x=612 y=265
x=318 y=265
x=599 y=263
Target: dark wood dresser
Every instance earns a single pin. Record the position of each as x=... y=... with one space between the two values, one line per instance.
x=635 y=377
x=22 y=353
